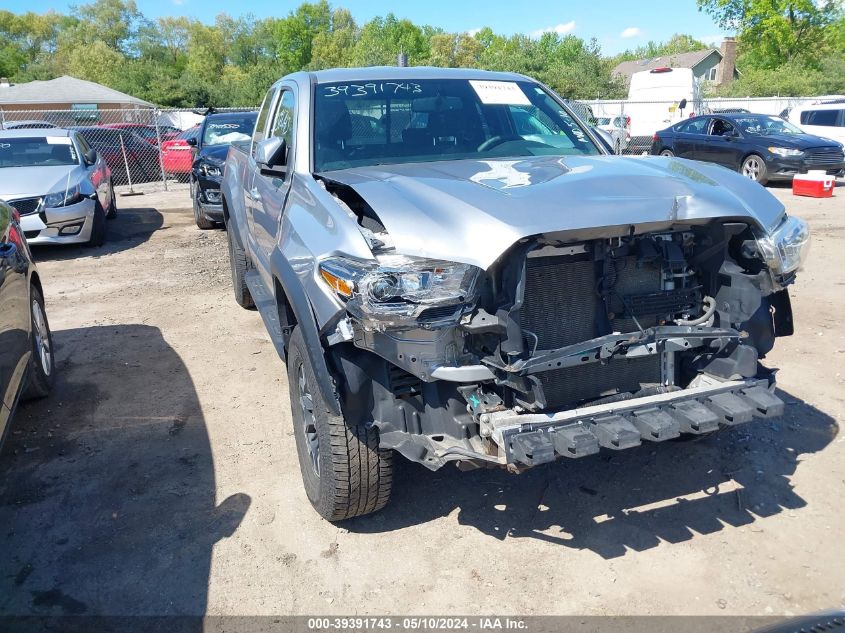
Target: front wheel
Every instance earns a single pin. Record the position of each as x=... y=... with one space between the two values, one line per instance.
x=754 y=168
x=112 y=214
x=238 y=264
x=41 y=364
x=98 y=226
x=201 y=221
x=344 y=472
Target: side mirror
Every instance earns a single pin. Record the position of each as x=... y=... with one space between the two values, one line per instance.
x=683 y=104
x=191 y=141
x=90 y=157
x=271 y=155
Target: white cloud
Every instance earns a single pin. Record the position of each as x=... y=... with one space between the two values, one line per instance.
x=631 y=31
x=473 y=32
x=560 y=29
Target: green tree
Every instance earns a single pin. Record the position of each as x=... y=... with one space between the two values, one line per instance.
x=775 y=32
x=294 y=35
x=114 y=22
x=677 y=44
x=333 y=48
x=382 y=39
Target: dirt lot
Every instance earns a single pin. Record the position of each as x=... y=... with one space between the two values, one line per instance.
x=161 y=476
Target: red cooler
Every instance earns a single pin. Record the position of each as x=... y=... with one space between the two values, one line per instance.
x=815 y=184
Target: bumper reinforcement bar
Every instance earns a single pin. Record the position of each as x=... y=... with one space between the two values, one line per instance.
x=532 y=439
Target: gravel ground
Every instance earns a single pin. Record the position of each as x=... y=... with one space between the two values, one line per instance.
x=160 y=477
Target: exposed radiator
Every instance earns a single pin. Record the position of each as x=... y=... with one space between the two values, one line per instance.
x=560 y=309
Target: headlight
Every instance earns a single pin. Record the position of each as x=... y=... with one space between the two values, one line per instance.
x=400 y=291
x=71 y=195
x=786 y=247
x=785 y=151
x=212 y=170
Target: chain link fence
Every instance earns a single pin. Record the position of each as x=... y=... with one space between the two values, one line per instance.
x=142 y=146
x=149 y=147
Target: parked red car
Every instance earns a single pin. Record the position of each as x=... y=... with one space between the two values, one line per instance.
x=177 y=154
x=147 y=132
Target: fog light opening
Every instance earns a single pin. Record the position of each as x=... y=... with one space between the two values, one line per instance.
x=70 y=229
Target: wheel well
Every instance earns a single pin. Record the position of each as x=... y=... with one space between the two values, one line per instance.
x=36 y=281
x=225 y=210
x=287 y=318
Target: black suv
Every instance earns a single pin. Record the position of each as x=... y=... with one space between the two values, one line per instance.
x=216 y=134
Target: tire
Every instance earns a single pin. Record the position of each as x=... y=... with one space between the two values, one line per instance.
x=344 y=472
x=239 y=265
x=202 y=222
x=112 y=214
x=98 y=227
x=42 y=365
x=754 y=168
x=667 y=152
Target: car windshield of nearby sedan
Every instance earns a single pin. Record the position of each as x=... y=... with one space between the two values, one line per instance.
x=225 y=131
x=766 y=125
x=387 y=122
x=42 y=151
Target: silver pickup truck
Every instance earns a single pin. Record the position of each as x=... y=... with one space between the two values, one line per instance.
x=455 y=270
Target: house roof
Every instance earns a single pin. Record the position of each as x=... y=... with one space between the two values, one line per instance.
x=681 y=60
x=65 y=89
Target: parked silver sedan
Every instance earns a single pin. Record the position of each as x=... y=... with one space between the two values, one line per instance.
x=60 y=186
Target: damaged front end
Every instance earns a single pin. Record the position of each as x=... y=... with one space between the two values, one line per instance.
x=569 y=342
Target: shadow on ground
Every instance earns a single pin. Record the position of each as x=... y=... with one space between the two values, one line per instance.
x=631 y=500
x=131 y=228
x=107 y=491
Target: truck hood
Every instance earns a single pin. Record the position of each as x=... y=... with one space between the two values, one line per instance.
x=29 y=182
x=472 y=211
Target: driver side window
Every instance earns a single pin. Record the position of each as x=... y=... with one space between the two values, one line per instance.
x=721 y=128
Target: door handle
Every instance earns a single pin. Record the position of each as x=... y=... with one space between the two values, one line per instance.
x=254 y=194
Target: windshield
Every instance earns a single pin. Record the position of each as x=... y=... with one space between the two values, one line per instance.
x=386 y=122
x=37 y=152
x=224 y=131
x=763 y=125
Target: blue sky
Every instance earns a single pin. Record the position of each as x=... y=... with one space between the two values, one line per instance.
x=617 y=24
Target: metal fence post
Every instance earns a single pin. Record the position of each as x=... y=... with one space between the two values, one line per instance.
x=158 y=146
x=131 y=191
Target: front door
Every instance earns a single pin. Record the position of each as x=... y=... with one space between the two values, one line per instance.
x=270 y=191
x=722 y=144
x=14 y=309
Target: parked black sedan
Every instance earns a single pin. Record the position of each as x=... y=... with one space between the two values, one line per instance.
x=26 y=345
x=216 y=134
x=759 y=146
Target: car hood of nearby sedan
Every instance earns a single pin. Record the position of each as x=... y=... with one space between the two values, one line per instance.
x=472 y=211
x=796 y=141
x=213 y=153
x=29 y=182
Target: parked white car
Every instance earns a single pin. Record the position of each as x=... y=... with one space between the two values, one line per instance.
x=821 y=119
x=617 y=128
x=60 y=186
